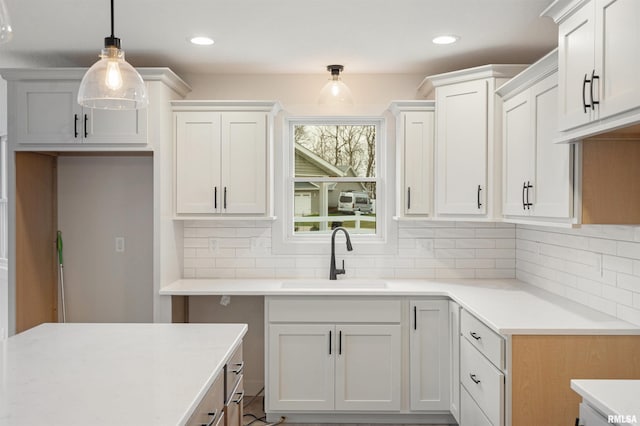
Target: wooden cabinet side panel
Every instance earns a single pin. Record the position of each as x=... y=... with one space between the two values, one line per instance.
x=543 y=367
x=610 y=182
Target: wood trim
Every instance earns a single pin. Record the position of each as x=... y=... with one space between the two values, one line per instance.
x=36 y=225
x=543 y=366
x=611 y=182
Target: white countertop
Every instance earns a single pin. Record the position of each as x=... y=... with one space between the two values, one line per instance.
x=111 y=374
x=611 y=397
x=508 y=306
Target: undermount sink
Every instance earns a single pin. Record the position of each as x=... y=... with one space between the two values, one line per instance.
x=333 y=284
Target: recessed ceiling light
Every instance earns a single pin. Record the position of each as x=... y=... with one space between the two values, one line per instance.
x=201 y=41
x=445 y=39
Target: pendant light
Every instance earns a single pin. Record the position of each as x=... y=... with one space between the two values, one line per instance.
x=111 y=83
x=6 y=32
x=335 y=91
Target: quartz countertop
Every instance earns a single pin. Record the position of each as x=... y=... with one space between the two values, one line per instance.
x=111 y=374
x=611 y=397
x=506 y=305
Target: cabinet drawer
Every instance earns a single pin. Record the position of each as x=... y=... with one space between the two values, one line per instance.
x=210 y=408
x=483 y=381
x=470 y=413
x=333 y=310
x=590 y=417
x=233 y=372
x=483 y=338
x=233 y=408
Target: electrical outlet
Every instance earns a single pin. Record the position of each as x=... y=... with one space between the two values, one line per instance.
x=213 y=245
x=119 y=244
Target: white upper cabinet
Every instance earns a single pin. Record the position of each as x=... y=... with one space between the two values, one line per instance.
x=415 y=125
x=222 y=158
x=468 y=141
x=599 y=55
x=537 y=174
x=47 y=112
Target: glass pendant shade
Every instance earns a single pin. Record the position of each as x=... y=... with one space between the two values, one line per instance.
x=112 y=83
x=335 y=91
x=6 y=32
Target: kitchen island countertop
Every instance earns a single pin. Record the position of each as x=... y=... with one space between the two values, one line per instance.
x=111 y=374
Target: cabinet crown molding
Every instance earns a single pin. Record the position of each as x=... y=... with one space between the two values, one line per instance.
x=429 y=84
x=559 y=10
x=272 y=107
x=536 y=72
x=396 y=107
x=164 y=75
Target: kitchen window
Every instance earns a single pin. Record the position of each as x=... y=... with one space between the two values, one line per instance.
x=332 y=176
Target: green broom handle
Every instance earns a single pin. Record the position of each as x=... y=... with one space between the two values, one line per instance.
x=59 y=244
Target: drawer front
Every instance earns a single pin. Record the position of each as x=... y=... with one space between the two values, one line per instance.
x=483 y=381
x=470 y=413
x=233 y=409
x=209 y=410
x=333 y=310
x=590 y=417
x=233 y=372
x=483 y=338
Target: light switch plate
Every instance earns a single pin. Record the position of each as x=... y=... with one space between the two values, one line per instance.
x=119 y=244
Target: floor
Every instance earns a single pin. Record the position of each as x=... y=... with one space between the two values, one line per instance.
x=254 y=416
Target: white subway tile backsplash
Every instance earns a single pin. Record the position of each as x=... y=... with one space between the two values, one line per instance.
x=475 y=243
x=629 y=282
x=455 y=253
x=495 y=273
x=475 y=263
x=455 y=233
x=626 y=249
x=617 y=264
x=628 y=314
x=496 y=233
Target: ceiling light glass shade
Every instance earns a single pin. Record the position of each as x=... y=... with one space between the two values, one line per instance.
x=6 y=32
x=335 y=91
x=112 y=83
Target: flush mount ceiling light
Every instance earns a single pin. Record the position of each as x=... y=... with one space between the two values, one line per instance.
x=201 y=41
x=445 y=39
x=111 y=83
x=335 y=91
x=5 y=24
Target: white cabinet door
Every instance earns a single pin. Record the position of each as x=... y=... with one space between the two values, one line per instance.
x=48 y=113
x=418 y=161
x=575 y=65
x=244 y=162
x=519 y=155
x=429 y=355
x=301 y=367
x=552 y=192
x=101 y=126
x=198 y=188
x=368 y=368
x=454 y=349
x=617 y=56
x=461 y=148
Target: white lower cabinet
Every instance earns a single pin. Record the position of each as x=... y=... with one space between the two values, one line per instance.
x=429 y=355
x=590 y=417
x=454 y=349
x=470 y=413
x=352 y=363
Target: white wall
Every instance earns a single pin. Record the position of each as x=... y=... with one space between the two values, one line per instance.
x=99 y=199
x=596 y=265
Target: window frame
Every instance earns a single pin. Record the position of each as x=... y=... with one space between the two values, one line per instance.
x=284 y=239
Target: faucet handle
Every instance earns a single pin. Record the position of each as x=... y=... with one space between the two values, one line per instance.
x=341 y=271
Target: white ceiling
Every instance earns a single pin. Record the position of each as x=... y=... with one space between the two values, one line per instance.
x=283 y=36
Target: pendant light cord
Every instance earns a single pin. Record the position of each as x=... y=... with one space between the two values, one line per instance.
x=112 y=36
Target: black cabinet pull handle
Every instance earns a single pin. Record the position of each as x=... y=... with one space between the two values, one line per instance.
x=409 y=198
x=239 y=399
x=473 y=377
x=224 y=205
x=213 y=415
x=215 y=197
x=475 y=335
x=524 y=188
x=594 y=77
x=528 y=204
x=239 y=368
x=415 y=317
x=329 y=342
x=585 y=105
x=479 y=203
x=340 y=343
x=86 y=132
x=75 y=125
